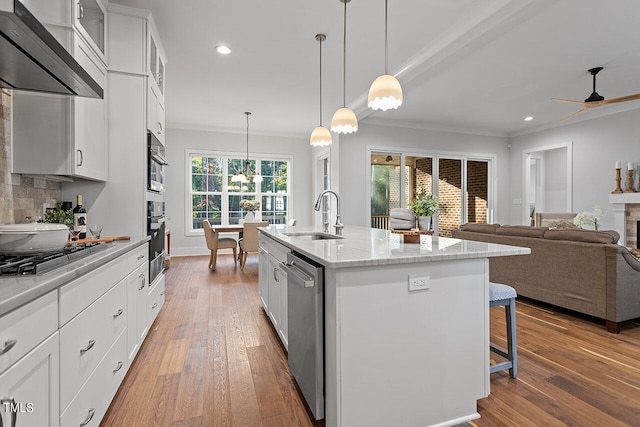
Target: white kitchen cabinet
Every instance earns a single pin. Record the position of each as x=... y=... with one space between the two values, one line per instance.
x=156 y=298
x=137 y=321
x=86 y=339
x=155 y=112
x=90 y=20
x=29 y=389
x=29 y=370
x=263 y=276
x=62 y=135
x=92 y=401
x=272 y=286
x=156 y=61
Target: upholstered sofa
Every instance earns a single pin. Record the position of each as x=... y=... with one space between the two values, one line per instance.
x=582 y=270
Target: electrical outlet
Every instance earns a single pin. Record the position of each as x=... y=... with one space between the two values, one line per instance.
x=419 y=283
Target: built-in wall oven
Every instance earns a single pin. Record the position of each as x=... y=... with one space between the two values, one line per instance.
x=156 y=164
x=156 y=229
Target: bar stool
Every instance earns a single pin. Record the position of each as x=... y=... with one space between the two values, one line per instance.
x=500 y=294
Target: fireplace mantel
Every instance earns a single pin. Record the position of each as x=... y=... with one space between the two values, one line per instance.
x=624 y=219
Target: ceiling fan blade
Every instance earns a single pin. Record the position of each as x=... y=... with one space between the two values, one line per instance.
x=571 y=116
x=622 y=99
x=571 y=101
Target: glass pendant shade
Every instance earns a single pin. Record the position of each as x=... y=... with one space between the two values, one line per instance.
x=257 y=178
x=385 y=93
x=240 y=177
x=344 y=121
x=320 y=137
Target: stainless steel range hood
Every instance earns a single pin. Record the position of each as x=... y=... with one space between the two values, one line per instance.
x=32 y=59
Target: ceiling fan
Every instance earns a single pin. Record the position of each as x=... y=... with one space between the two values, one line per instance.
x=595 y=99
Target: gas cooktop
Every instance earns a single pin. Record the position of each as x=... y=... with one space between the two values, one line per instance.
x=22 y=265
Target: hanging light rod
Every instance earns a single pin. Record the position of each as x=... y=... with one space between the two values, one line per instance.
x=344 y=119
x=385 y=92
x=320 y=135
x=244 y=176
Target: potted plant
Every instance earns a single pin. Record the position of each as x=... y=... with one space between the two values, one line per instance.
x=424 y=206
x=250 y=205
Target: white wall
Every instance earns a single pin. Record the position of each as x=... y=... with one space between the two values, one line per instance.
x=354 y=164
x=597 y=145
x=179 y=140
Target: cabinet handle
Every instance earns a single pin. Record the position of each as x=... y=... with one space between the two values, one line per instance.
x=155 y=304
x=159 y=128
x=8 y=345
x=88 y=347
x=90 y=415
x=81 y=158
x=14 y=411
x=118 y=313
x=120 y=365
x=80 y=11
x=140 y=257
x=275 y=274
x=143 y=282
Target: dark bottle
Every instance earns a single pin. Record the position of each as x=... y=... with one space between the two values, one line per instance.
x=80 y=218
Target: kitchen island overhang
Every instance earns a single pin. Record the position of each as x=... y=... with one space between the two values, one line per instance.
x=395 y=356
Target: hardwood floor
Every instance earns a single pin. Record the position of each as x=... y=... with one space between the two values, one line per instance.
x=213 y=359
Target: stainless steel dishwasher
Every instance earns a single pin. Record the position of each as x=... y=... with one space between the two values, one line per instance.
x=305 y=305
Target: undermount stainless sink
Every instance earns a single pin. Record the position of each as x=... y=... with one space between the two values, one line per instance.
x=313 y=235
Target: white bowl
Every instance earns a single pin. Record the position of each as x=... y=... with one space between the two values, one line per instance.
x=32 y=238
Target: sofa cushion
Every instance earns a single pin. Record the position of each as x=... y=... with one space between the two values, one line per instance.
x=522 y=231
x=480 y=227
x=558 y=223
x=585 y=236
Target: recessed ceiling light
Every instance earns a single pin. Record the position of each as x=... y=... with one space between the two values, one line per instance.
x=528 y=118
x=223 y=50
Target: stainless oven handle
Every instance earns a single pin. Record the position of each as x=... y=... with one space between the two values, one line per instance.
x=291 y=269
x=158 y=158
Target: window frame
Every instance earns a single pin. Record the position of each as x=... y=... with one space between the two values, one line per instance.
x=225 y=193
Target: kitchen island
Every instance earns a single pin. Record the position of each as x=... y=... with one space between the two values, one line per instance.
x=406 y=325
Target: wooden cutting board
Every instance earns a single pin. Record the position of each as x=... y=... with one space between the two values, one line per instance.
x=100 y=240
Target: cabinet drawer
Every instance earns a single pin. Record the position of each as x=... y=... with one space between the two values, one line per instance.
x=28 y=326
x=86 y=339
x=156 y=298
x=92 y=401
x=80 y=293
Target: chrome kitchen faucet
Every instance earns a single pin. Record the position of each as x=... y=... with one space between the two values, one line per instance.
x=338 y=225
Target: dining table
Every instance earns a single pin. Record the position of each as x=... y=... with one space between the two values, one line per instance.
x=229 y=228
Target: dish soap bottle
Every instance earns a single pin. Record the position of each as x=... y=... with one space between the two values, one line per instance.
x=80 y=218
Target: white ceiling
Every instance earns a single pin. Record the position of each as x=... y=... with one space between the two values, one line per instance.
x=475 y=66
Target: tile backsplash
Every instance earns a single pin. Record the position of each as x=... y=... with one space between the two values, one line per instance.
x=22 y=196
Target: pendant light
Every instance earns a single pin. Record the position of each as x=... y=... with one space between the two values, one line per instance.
x=385 y=92
x=344 y=119
x=243 y=177
x=320 y=135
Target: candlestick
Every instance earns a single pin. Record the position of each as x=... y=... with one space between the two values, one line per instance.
x=630 y=181
x=618 y=180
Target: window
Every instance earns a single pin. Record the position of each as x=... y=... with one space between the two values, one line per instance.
x=214 y=196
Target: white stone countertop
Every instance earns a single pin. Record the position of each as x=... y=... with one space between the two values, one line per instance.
x=362 y=246
x=16 y=291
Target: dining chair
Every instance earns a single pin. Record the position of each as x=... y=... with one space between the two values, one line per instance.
x=249 y=241
x=214 y=243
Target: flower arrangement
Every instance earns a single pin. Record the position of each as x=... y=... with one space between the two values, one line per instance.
x=424 y=204
x=589 y=219
x=250 y=205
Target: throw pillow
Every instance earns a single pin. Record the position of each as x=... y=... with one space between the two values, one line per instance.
x=522 y=231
